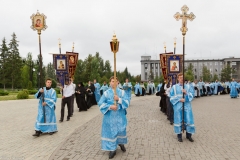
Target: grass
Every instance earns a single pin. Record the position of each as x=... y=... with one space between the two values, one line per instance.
x=13 y=96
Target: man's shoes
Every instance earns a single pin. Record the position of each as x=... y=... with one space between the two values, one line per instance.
x=112 y=154
x=37 y=134
x=190 y=139
x=51 y=133
x=171 y=123
x=60 y=120
x=68 y=119
x=122 y=147
x=180 y=140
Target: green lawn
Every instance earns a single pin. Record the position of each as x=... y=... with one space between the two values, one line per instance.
x=13 y=96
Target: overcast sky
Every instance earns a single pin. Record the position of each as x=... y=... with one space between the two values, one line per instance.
x=141 y=26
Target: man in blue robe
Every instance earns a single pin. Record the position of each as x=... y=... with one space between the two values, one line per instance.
x=127 y=87
x=137 y=89
x=177 y=100
x=216 y=84
x=114 y=119
x=150 y=88
x=233 y=89
x=159 y=87
x=46 y=118
x=201 y=86
x=97 y=90
x=103 y=88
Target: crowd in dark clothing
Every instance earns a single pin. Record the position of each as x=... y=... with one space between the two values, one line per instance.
x=85 y=97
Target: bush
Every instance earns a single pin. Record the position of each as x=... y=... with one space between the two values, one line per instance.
x=23 y=94
x=32 y=91
x=29 y=85
x=3 y=93
x=57 y=90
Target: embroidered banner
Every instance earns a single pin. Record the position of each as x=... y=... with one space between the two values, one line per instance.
x=163 y=64
x=174 y=66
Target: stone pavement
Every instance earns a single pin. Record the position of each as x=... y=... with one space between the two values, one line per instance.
x=17 y=126
x=150 y=134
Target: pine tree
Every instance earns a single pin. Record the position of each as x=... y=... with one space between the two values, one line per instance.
x=206 y=74
x=3 y=60
x=14 y=62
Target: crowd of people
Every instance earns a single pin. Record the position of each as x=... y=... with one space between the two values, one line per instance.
x=114 y=100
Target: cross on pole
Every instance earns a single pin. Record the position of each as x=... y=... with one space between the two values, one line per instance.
x=184 y=16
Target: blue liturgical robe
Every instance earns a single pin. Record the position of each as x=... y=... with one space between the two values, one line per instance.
x=127 y=87
x=50 y=98
x=159 y=87
x=175 y=95
x=137 y=88
x=233 y=89
x=114 y=122
x=104 y=88
x=216 y=84
x=97 y=91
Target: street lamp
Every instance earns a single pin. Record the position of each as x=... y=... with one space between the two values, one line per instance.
x=114 y=44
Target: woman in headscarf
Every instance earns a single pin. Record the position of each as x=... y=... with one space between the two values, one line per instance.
x=163 y=104
x=80 y=93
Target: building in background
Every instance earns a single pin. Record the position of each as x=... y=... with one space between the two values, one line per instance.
x=215 y=66
x=150 y=68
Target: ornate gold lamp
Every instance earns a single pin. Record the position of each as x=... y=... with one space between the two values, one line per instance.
x=114 y=44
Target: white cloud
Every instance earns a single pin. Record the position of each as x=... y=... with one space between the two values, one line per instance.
x=140 y=25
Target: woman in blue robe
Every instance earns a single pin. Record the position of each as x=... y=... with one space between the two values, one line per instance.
x=176 y=98
x=114 y=119
x=46 y=118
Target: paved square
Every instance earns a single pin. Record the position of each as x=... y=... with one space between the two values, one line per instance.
x=149 y=133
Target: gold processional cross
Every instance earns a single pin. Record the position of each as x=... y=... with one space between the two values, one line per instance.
x=184 y=16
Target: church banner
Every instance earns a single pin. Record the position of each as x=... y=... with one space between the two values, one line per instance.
x=61 y=64
x=174 y=66
x=163 y=64
x=73 y=59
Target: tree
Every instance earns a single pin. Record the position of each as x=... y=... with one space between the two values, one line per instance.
x=108 y=69
x=189 y=75
x=215 y=77
x=15 y=62
x=24 y=76
x=206 y=75
x=50 y=72
x=3 y=65
x=226 y=73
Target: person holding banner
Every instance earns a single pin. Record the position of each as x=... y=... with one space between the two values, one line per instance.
x=46 y=118
x=177 y=100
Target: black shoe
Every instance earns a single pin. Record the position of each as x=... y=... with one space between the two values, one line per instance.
x=171 y=123
x=112 y=154
x=60 y=120
x=122 y=147
x=71 y=115
x=180 y=140
x=37 y=134
x=68 y=119
x=190 y=139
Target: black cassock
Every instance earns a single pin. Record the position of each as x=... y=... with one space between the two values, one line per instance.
x=91 y=100
x=80 y=98
x=163 y=103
